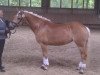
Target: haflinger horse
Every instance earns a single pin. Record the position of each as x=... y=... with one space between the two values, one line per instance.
x=49 y=33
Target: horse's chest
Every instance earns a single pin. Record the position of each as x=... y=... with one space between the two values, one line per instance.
x=41 y=36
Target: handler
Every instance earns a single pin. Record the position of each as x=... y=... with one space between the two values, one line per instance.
x=4 y=30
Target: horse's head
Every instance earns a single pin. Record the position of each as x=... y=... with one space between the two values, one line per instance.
x=18 y=17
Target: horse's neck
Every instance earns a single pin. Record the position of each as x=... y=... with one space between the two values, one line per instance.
x=34 y=22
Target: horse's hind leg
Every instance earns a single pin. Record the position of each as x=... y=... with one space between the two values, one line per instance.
x=83 y=51
x=45 y=57
x=82 y=64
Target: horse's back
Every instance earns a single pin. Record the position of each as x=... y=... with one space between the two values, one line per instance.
x=74 y=28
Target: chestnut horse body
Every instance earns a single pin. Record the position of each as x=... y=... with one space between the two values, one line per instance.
x=49 y=33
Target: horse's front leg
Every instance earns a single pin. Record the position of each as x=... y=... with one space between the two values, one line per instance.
x=45 y=57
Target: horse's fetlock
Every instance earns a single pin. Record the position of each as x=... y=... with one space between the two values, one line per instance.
x=45 y=61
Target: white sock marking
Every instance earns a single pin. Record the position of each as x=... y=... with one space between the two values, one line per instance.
x=45 y=61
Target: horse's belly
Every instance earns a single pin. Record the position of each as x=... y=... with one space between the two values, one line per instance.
x=56 y=43
x=55 y=37
x=59 y=39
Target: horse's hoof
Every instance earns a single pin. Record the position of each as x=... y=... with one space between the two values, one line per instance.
x=81 y=71
x=78 y=68
x=2 y=70
x=43 y=67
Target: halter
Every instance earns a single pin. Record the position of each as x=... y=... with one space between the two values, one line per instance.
x=21 y=18
x=15 y=24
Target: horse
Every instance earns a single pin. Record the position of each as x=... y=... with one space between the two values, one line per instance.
x=50 y=33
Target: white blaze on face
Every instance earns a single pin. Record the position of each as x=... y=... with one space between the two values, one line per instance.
x=18 y=13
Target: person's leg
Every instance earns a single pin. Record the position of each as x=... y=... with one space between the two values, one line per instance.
x=2 y=42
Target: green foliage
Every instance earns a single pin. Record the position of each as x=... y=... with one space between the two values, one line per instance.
x=14 y=2
x=53 y=3
x=75 y=3
x=78 y=3
x=4 y=2
x=66 y=4
x=36 y=3
x=24 y=2
x=91 y=4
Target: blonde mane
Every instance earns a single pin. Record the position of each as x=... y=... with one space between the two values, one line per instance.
x=41 y=17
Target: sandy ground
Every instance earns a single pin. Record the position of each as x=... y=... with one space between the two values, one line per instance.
x=22 y=56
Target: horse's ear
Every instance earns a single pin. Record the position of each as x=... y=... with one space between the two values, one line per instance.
x=22 y=12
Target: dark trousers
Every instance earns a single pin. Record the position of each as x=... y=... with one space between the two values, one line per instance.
x=2 y=42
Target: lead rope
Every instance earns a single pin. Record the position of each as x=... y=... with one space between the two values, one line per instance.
x=9 y=34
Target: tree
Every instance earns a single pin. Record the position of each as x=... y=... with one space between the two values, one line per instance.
x=4 y=2
x=55 y=3
x=66 y=4
x=14 y=2
x=36 y=3
x=24 y=2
